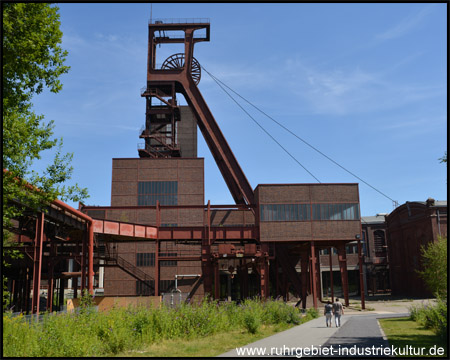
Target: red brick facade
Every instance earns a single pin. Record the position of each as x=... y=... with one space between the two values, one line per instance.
x=411 y=226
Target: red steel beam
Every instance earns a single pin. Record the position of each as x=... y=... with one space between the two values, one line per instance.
x=91 y=259
x=37 y=262
x=361 y=276
x=158 y=227
x=232 y=173
x=125 y=229
x=343 y=268
x=331 y=274
x=140 y=207
x=304 y=267
x=314 y=275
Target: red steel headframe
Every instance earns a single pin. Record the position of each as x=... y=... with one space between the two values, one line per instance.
x=232 y=173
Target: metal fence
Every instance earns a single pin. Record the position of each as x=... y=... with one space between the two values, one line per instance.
x=174 y=298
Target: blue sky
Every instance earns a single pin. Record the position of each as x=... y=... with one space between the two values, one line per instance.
x=364 y=83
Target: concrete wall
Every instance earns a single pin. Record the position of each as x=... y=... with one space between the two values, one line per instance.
x=107 y=303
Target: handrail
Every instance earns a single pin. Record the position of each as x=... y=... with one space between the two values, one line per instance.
x=129 y=267
x=180 y=21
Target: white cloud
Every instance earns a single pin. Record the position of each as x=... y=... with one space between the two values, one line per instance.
x=342 y=91
x=406 y=25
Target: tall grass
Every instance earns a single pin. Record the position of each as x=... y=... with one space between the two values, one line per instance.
x=90 y=333
x=432 y=316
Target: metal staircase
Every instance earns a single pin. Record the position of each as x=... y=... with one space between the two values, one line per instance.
x=112 y=258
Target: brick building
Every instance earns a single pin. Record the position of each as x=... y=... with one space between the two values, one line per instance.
x=376 y=263
x=409 y=227
x=229 y=251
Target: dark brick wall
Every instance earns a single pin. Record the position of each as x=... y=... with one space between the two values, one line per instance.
x=187 y=133
x=409 y=227
x=125 y=176
x=232 y=217
x=308 y=194
x=119 y=283
x=295 y=193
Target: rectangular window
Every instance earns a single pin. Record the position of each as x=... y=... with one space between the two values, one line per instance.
x=285 y=212
x=335 y=212
x=145 y=287
x=166 y=285
x=149 y=192
x=145 y=259
x=168 y=262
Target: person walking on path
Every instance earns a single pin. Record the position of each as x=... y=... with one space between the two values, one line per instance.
x=328 y=312
x=338 y=310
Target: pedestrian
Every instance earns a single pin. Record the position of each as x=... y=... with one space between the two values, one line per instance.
x=338 y=310
x=328 y=312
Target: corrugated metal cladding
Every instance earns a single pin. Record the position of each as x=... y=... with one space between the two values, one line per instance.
x=295 y=212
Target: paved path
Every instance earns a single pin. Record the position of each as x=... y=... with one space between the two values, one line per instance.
x=359 y=335
x=360 y=330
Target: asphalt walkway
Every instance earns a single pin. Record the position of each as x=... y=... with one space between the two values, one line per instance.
x=359 y=331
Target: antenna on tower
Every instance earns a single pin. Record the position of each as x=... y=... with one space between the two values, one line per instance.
x=151 y=11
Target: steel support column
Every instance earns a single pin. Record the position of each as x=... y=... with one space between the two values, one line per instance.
x=207 y=270
x=331 y=273
x=314 y=275
x=318 y=276
x=37 y=262
x=361 y=276
x=51 y=280
x=158 y=224
x=27 y=291
x=264 y=281
x=304 y=263
x=343 y=268
x=61 y=294
x=216 y=280
x=264 y=273
x=91 y=259
x=76 y=266
x=83 y=263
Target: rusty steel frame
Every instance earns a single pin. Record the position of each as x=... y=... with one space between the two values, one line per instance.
x=229 y=167
x=37 y=249
x=166 y=83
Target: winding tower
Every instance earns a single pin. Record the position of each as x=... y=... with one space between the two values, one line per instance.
x=180 y=73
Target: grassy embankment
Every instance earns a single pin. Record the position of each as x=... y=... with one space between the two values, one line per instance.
x=402 y=332
x=204 y=329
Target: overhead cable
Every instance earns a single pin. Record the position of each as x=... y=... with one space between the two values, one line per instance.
x=218 y=82
x=298 y=137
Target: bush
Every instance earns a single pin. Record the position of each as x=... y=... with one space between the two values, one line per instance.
x=312 y=313
x=432 y=317
x=434 y=265
x=251 y=323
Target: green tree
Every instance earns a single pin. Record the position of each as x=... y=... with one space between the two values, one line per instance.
x=434 y=261
x=444 y=158
x=32 y=60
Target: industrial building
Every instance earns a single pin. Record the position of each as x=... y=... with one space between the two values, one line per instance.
x=228 y=251
x=160 y=235
x=410 y=227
